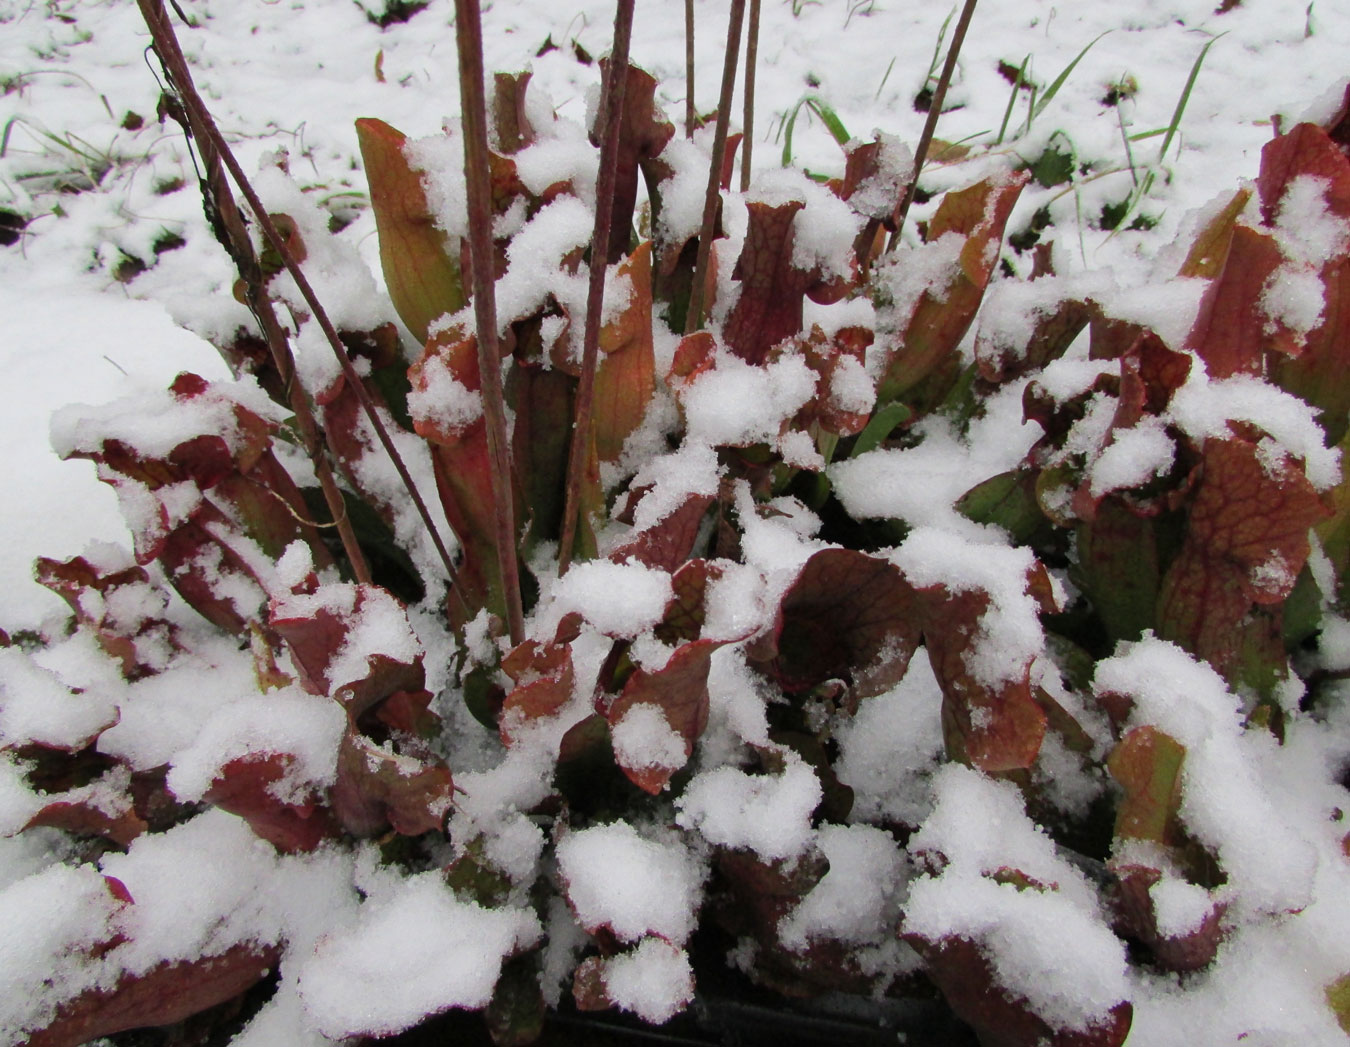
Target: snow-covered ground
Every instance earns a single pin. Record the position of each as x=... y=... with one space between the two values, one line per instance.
x=102 y=182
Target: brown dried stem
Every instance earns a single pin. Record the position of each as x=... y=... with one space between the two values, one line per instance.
x=748 y=121
x=694 y=319
x=240 y=247
x=929 y=125
x=477 y=174
x=690 y=114
x=610 y=121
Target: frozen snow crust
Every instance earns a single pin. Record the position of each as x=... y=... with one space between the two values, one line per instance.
x=967 y=614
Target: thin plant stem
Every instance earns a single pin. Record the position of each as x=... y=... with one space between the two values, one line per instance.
x=473 y=104
x=610 y=123
x=215 y=152
x=166 y=39
x=748 y=121
x=694 y=319
x=929 y=125
x=689 y=110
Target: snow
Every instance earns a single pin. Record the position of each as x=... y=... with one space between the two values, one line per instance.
x=857 y=901
x=767 y=814
x=414 y=950
x=1271 y=864
x=891 y=747
x=644 y=738
x=654 y=980
x=441 y=400
x=617 y=878
x=35 y=706
x=1047 y=943
x=619 y=599
x=301 y=726
x=1204 y=407
x=1133 y=457
x=737 y=404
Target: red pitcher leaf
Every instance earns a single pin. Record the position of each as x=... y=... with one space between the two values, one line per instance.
x=684 y=615
x=1147 y=764
x=625 y=379
x=409 y=712
x=113 y=817
x=246 y=436
x=991 y=725
x=251 y=787
x=163 y=995
x=1119 y=570
x=1054 y=331
x=447 y=412
x=679 y=693
x=643 y=133
x=1306 y=150
x=543 y=400
x=1202 y=605
x=993 y=729
x=350 y=642
x=509 y=118
x=769 y=308
x=846 y=398
x=1137 y=909
x=696 y=354
x=848 y=616
x=384 y=675
x=668 y=542
x=1256 y=513
x=1109 y=338
x=1150 y=373
x=654 y=981
x=210 y=575
x=971 y=988
x=377 y=789
x=266 y=516
x=1317 y=374
x=978 y=213
x=588 y=985
x=421 y=268
x=1229 y=333
x=769 y=890
x=873 y=193
x=1209 y=252
x=544 y=678
x=941 y=317
x=118 y=606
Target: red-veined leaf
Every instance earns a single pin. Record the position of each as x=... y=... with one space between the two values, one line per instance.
x=940 y=319
x=165 y=994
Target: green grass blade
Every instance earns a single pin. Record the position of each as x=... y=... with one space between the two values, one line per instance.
x=4 y=137
x=831 y=120
x=937 y=47
x=785 y=129
x=1012 y=98
x=884 y=79
x=1186 y=96
x=827 y=115
x=1053 y=89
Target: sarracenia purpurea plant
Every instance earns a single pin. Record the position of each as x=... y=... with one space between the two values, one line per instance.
x=724 y=674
